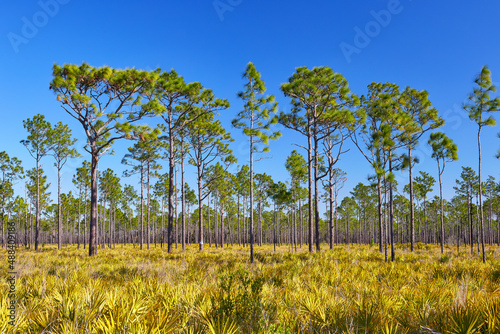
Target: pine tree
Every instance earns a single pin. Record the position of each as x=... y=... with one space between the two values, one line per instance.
x=444 y=150
x=255 y=120
x=479 y=106
x=422 y=118
x=39 y=144
x=106 y=102
x=62 y=151
x=322 y=103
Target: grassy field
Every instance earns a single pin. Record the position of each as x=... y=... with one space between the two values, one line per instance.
x=347 y=290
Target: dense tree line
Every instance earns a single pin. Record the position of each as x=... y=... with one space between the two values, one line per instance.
x=246 y=207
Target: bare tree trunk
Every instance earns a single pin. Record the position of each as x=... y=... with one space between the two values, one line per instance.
x=316 y=192
x=176 y=212
x=85 y=219
x=380 y=228
x=295 y=228
x=251 y=199
x=170 y=187
x=222 y=226
x=110 y=225
x=130 y=226
x=347 y=227
x=477 y=224
x=442 y=209
x=98 y=229
x=93 y=205
x=426 y=227
x=480 y=194
x=79 y=214
x=25 y=220
x=142 y=206
x=216 y=223
x=148 y=227
x=37 y=207
x=260 y=223
x=332 y=195
x=200 y=210
x=469 y=216
x=103 y=224
x=498 y=227
x=239 y=220
x=385 y=219
x=412 y=208
x=310 y=186
x=59 y=209
x=274 y=230
x=301 y=234
x=209 y=227
x=183 y=206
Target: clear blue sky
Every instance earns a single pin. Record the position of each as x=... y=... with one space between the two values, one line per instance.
x=438 y=46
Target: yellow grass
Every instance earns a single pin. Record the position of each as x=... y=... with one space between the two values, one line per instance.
x=347 y=290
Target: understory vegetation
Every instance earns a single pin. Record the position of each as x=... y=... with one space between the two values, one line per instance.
x=350 y=289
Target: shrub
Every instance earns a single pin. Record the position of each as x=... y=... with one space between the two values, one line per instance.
x=239 y=296
x=444 y=258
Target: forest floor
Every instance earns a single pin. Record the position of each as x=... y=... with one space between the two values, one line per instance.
x=350 y=289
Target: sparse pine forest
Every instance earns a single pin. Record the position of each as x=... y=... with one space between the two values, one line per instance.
x=190 y=240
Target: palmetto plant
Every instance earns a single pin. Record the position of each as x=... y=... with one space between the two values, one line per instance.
x=217 y=291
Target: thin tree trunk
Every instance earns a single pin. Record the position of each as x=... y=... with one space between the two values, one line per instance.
x=200 y=210
x=37 y=208
x=301 y=222
x=380 y=228
x=469 y=216
x=93 y=205
x=295 y=228
x=59 y=209
x=239 y=221
x=347 y=227
x=480 y=194
x=170 y=185
x=316 y=191
x=148 y=227
x=274 y=231
x=412 y=208
x=79 y=214
x=260 y=223
x=216 y=224
x=310 y=185
x=442 y=209
x=477 y=225
x=385 y=219
x=209 y=227
x=332 y=195
x=251 y=198
x=176 y=215
x=498 y=227
x=85 y=219
x=222 y=227
x=183 y=205
x=142 y=206
x=25 y=220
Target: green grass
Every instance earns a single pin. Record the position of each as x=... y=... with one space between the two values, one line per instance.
x=350 y=290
